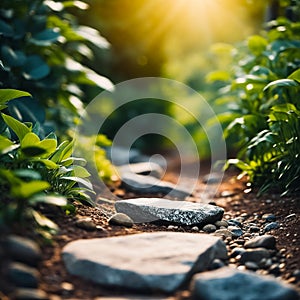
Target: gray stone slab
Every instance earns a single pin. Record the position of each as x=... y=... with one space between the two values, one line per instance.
x=158 y=261
x=143 y=210
x=150 y=185
x=228 y=284
x=121 y=155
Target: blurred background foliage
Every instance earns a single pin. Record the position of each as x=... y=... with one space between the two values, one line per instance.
x=65 y=52
x=169 y=39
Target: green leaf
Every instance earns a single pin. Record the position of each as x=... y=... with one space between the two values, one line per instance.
x=79 y=180
x=10 y=94
x=45 y=37
x=48 y=163
x=79 y=4
x=27 y=174
x=80 y=172
x=48 y=199
x=295 y=75
x=18 y=127
x=257 y=44
x=282 y=83
x=44 y=221
x=6 y=145
x=92 y=35
x=35 y=68
x=12 y=58
x=218 y=75
x=32 y=146
x=25 y=190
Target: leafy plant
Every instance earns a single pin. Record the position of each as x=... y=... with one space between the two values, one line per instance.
x=43 y=51
x=35 y=171
x=262 y=92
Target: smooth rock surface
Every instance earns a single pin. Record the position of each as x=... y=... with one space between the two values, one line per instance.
x=228 y=284
x=158 y=261
x=150 y=185
x=254 y=255
x=181 y=212
x=121 y=219
x=143 y=168
x=264 y=241
x=23 y=250
x=86 y=224
x=271 y=226
x=22 y=275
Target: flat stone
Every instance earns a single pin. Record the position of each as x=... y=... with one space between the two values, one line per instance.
x=150 y=185
x=157 y=261
x=228 y=284
x=144 y=168
x=22 y=275
x=181 y=212
x=264 y=241
x=121 y=219
x=23 y=250
x=254 y=255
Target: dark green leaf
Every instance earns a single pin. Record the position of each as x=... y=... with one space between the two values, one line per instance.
x=45 y=37
x=35 y=68
x=6 y=29
x=12 y=58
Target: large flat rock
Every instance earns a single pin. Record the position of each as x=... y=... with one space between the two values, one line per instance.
x=143 y=210
x=227 y=284
x=158 y=261
x=141 y=184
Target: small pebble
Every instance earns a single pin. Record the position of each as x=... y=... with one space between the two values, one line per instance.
x=251 y=266
x=237 y=251
x=172 y=227
x=235 y=231
x=22 y=275
x=224 y=233
x=209 y=228
x=86 y=224
x=195 y=228
x=264 y=241
x=220 y=224
x=269 y=218
x=254 y=255
x=216 y=264
x=121 y=219
x=29 y=294
x=271 y=226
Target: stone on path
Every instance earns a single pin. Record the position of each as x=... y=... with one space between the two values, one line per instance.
x=264 y=241
x=150 y=185
x=121 y=219
x=143 y=168
x=181 y=212
x=228 y=283
x=121 y=155
x=158 y=261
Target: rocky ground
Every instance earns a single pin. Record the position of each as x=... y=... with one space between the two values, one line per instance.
x=260 y=239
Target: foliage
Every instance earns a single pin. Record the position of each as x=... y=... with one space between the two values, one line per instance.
x=42 y=51
x=35 y=171
x=262 y=92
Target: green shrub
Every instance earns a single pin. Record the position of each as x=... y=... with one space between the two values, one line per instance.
x=42 y=51
x=262 y=93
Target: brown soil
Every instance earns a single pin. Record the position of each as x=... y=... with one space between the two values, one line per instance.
x=60 y=285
